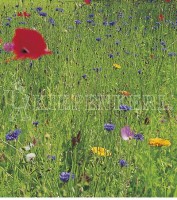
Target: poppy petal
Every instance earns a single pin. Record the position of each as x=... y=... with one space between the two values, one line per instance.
x=29 y=43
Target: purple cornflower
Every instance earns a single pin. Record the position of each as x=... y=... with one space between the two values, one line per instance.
x=59 y=9
x=122 y=163
x=35 y=123
x=124 y=107
x=8 y=47
x=77 y=21
x=7 y=24
x=105 y=23
x=51 y=157
x=84 y=76
x=89 y=21
x=43 y=14
x=172 y=54
x=111 y=55
x=38 y=9
x=126 y=133
x=9 y=18
x=52 y=21
x=91 y=15
x=13 y=135
x=112 y=23
x=65 y=176
x=139 y=71
x=138 y=136
x=98 y=39
x=109 y=127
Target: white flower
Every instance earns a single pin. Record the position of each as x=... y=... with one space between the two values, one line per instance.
x=30 y=157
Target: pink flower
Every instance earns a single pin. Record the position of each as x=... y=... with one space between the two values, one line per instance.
x=126 y=133
x=8 y=47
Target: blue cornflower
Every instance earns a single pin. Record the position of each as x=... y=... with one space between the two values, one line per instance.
x=111 y=55
x=109 y=127
x=105 y=23
x=43 y=14
x=89 y=21
x=51 y=157
x=172 y=54
x=112 y=23
x=147 y=17
x=158 y=24
x=38 y=9
x=59 y=9
x=98 y=39
x=35 y=123
x=117 y=42
x=13 y=135
x=124 y=107
x=7 y=24
x=84 y=76
x=138 y=136
x=52 y=21
x=65 y=176
x=77 y=21
x=122 y=163
x=91 y=15
x=139 y=71
x=163 y=43
x=9 y=18
x=22 y=22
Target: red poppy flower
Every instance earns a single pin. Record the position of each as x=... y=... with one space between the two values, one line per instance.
x=23 y=14
x=20 y=14
x=161 y=17
x=29 y=44
x=167 y=1
x=87 y=1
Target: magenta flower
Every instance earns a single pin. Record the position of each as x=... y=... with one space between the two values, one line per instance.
x=8 y=47
x=126 y=133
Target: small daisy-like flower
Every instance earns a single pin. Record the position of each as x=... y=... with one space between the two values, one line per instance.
x=125 y=93
x=159 y=142
x=100 y=151
x=116 y=66
x=30 y=157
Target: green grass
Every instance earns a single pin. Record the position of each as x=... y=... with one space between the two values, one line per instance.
x=36 y=94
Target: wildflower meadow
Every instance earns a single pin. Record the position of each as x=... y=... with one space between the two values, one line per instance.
x=88 y=95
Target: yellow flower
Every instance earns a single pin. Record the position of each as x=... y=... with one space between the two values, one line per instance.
x=101 y=151
x=159 y=142
x=125 y=93
x=116 y=66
